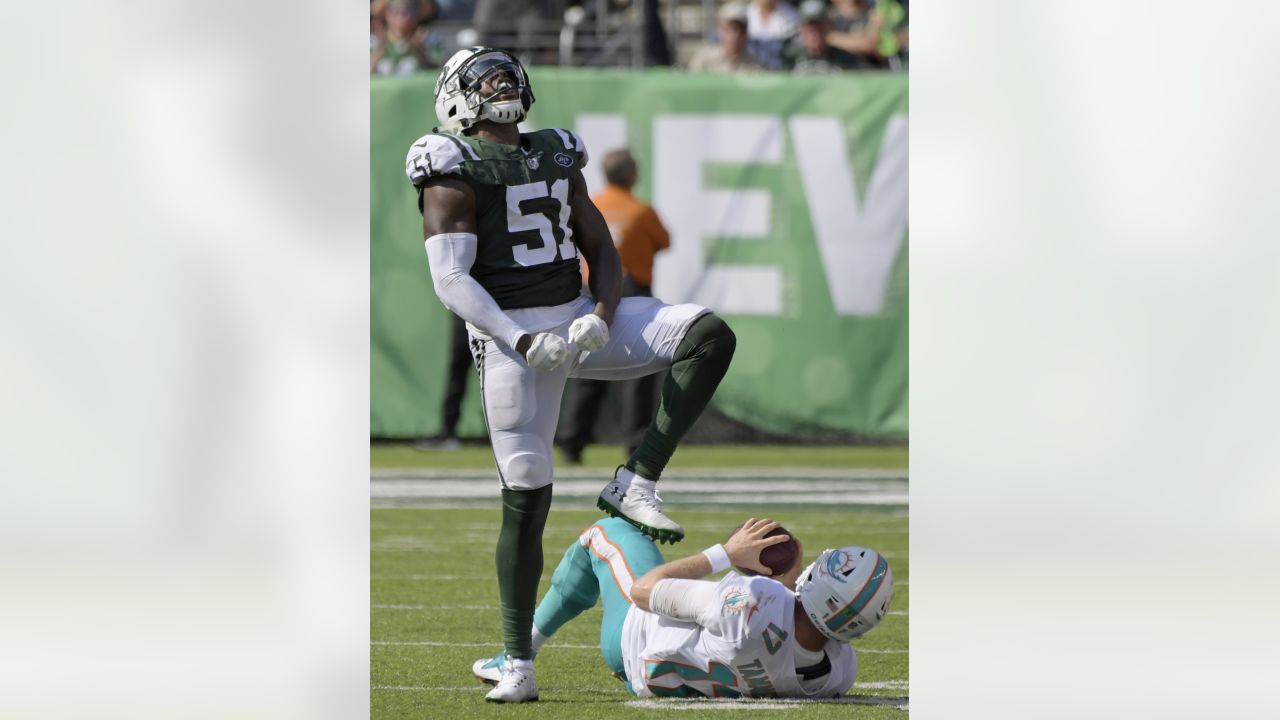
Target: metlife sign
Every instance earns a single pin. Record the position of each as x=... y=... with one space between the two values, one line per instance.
x=858 y=239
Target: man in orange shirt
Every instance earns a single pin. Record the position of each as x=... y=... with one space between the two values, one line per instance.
x=639 y=235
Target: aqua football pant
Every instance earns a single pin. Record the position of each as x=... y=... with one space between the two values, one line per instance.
x=603 y=563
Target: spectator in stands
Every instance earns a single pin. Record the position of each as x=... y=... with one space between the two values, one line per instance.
x=529 y=29
x=657 y=49
x=638 y=234
x=893 y=34
x=730 y=55
x=402 y=50
x=769 y=24
x=855 y=28
x=456 y=10
x=809 y=51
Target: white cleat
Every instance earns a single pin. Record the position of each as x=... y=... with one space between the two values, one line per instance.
x=489 y=670
x=516 y=684
x=641 y=508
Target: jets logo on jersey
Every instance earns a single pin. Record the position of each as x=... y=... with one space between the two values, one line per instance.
x=563 y=160
x=840 y=564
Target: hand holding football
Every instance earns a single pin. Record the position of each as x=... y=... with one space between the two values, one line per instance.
x=778 y=557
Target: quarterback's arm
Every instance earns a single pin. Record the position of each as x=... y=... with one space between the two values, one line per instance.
x=663 y=588
x=592 y=236
x=449 y=226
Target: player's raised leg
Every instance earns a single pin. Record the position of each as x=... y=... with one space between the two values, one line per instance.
x=697 y=346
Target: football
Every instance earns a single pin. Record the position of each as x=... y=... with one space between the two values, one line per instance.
x=778 y=558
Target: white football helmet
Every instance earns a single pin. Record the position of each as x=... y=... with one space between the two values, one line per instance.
x=459 y=100
x=846 y=591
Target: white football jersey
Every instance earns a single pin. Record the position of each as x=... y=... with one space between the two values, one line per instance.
x=744 y=644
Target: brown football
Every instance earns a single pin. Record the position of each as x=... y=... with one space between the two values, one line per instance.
x=778 y=558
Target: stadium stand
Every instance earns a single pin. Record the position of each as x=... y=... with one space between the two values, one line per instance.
x=591 y=33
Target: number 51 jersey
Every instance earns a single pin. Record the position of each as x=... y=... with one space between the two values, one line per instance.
x=743 y=645
x=526 y=255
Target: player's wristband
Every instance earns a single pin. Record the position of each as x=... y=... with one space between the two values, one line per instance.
x=718 y=558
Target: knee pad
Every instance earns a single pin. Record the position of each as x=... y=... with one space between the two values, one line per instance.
x=709 y=335
x=527 y=471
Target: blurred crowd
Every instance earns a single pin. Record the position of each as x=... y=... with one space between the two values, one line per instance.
x=815 y=36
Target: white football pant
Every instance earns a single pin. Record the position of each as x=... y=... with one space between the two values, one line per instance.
x=522 y=405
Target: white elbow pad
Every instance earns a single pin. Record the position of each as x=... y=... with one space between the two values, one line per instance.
x=682 y=599
x=451 y=256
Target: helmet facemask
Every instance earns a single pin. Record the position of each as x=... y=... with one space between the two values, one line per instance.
x=482 y=80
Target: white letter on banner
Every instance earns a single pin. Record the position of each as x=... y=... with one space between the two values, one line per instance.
x=858 y=245
x=682 y=146
x=601 y=133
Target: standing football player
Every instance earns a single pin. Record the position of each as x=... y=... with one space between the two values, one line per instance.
x=666 y=632
x=505 y=215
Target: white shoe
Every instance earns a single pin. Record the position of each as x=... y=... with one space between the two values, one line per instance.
x=489 y=670
x=641 y=508
x=516 y=684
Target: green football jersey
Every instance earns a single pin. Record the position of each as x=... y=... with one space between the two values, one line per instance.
x=526 y=255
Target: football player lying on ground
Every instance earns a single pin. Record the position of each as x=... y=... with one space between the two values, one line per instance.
x=505 y=215
x=668 y=633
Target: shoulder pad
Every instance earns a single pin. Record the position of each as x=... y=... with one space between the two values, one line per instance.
x=434 y=155
x=571 y=142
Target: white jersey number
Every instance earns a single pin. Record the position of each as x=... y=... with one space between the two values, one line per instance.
x=537 y=220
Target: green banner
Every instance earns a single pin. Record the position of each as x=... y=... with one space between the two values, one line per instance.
x=786 y=199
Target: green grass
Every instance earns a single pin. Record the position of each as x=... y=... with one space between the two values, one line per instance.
x=607 y=457
x=434 y=557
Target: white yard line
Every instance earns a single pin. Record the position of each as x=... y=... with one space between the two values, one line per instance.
x=602 y=476
x=733 y=705
x=495 y=646
x=379 y=606
x=770 y=704
x=884 y=685
x=385 y=606
x=871 y=488
x=480 y=687
x=678 y=704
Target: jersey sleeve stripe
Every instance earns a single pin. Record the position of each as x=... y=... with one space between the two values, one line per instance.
x=564 y=138
x=599 y=543
x=465 y=148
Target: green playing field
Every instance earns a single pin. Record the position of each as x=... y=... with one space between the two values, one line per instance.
x=434 y=610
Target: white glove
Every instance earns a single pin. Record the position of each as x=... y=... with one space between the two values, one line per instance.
x=589 y=332
x=548 y=352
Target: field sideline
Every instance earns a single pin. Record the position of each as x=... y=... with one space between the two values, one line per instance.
x=607 y=457
x=433 y=593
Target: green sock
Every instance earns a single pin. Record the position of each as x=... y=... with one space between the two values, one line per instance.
x=524 y=514
x=700 y=362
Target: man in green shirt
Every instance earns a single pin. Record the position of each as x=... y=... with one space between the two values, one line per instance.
x=810 y=51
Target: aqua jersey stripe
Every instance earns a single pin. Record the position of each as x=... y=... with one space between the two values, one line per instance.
x=850 y=611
